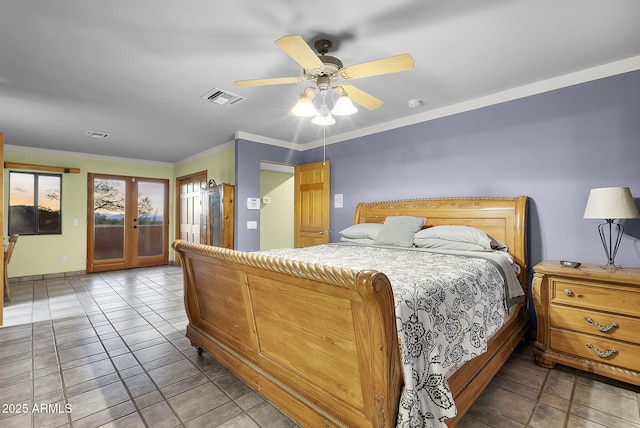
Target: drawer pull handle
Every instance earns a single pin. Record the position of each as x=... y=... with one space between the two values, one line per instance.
x=603 y=328
x=568 y=292
x=601 y=354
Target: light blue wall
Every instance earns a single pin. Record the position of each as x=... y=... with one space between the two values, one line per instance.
x=553 y=147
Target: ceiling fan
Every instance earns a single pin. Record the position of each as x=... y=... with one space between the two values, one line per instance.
x=325 y=72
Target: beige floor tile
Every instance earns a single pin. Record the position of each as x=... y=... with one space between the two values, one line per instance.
x=184 y=385
x=545 y=416
x=87 y=372
x=105 y=416
x=506 y=403
x=217 y=417
x=604 y=418
x=605 y=401
x=97 y=400
x=149 y=399
x=508 y=383
x=555 y=401
x=132 y=420
x=241 y=421
x=173 y=373
x=198 y=401
x=266 y=415
x=232 y=386
x=139 y=385
x=160 y=415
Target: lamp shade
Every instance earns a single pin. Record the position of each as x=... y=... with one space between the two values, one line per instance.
x=611 y=203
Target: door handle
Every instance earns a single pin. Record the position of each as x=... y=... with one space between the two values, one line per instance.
x=324 y=232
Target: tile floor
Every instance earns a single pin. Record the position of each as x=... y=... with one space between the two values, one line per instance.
x=109 y=350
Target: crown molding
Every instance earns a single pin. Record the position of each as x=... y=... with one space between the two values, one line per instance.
x=571 y=79
x=9 y=147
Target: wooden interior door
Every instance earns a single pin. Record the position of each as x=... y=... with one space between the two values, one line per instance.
x=188 y=206
x=128 y=222
x=311 y=204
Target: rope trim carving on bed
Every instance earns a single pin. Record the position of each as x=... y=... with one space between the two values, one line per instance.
x=333 y=275
x=461 y=202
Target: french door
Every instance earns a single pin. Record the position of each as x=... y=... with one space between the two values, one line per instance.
x=127 y=222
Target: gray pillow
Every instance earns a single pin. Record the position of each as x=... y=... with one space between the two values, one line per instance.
x=443 y=244
x=361 y=231
x=466 y=234
x=363 y=241
x=398 y=231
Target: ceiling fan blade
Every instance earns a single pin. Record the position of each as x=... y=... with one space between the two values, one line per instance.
x=391 y=64
x=361 y=97
x=300 y=51
x=265 y=82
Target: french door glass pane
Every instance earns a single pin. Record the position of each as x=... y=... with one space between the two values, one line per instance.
x=109 y=209
x=150 y=218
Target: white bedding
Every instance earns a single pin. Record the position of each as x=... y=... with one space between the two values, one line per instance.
x=447 y=306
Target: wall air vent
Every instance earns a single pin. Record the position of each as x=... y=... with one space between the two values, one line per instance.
x=223 y=98
x=94 y=134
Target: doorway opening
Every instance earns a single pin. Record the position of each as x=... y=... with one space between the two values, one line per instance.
x=276 y=206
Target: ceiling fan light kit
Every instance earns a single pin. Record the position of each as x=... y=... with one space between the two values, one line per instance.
x=323 y=117
x=344 y=106
x=304 y=106
x=325 y=71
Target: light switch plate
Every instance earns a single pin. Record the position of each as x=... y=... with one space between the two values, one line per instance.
x=338 y=200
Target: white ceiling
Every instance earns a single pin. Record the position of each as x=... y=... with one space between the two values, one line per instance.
x=137 y=69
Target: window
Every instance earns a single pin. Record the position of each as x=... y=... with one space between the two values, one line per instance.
x=28 y=190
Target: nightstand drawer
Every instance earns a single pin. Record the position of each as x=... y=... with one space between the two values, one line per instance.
x=595 y=296
x=618 y=327
x=625 y=355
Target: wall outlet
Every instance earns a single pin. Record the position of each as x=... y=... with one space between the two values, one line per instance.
x=63 y=259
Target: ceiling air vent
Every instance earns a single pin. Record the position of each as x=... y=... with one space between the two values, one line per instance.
x=223 y=98
x=94 y=134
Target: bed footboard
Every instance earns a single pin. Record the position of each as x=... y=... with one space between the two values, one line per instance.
x=319 y=342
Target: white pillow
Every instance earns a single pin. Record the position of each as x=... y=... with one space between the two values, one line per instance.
x=361 y=231
x=465 y=234
x=398 y=231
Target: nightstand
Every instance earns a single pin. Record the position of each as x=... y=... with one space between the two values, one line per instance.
x=588 y=318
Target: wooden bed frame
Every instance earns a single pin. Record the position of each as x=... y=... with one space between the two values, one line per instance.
x=320 y=342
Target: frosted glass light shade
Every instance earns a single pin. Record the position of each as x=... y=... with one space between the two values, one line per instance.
x=611 y=203
x=323 y=119
x=344 y=106
x=304 y=107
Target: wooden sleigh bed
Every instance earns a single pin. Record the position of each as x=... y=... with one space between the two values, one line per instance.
x=320 y=342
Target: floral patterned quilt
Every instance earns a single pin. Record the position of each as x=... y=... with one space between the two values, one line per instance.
x=447 y=306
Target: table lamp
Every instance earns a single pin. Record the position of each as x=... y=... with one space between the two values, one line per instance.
x=611 y=203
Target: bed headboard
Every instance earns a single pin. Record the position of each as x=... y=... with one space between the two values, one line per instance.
x=503 y=218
